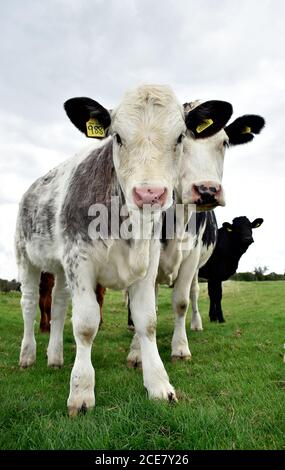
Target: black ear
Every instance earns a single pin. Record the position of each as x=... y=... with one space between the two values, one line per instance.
x=88 y=116
x=242 y=130
x=228 y=226
x=208 y=118
x=256 y=223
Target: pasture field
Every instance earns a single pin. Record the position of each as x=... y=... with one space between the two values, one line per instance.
x=231 y=394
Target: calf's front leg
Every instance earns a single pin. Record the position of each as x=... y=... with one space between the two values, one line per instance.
x=85 y=321
x=142 y=304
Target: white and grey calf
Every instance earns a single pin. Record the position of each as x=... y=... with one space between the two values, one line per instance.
x=137 y=163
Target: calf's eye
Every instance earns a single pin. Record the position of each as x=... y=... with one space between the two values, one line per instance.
x=226 y=144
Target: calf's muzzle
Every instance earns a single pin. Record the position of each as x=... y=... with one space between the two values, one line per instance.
x=207 y=194
x=149 y=195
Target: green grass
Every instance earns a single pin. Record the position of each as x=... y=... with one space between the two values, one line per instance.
x=231 y=393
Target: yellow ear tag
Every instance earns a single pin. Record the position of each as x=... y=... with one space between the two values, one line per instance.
x=95 y=129
x=229 y=229
x=206 y=123
x=247 y=130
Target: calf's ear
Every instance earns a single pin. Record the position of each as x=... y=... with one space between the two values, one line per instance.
x=208 y=118
x=256 y=223
x=228 y=226
x=242 y=130
x=88 y=116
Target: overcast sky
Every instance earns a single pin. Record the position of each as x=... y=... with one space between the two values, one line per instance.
x=211 y=49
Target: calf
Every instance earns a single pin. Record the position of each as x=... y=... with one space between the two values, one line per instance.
x=136 y=164
x=181 y=257
x=233 y=240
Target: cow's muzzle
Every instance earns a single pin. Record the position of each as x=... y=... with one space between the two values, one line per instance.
x=153 y=196
x=207 y=195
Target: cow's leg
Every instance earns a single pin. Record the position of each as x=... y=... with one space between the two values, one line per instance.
x=142 y=303
x=48 y=312
x=44 y=326
x=219 y=295
x=85 y=322
x=180 y=301
x=100 y=294
x=29 y=278
x=212 y=297
x=196 y=321
x=60 y=297
x=130 y=321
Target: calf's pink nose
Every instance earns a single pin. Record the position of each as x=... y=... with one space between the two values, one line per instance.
x=149 y=195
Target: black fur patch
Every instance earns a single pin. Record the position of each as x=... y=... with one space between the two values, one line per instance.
x=219 y=111
x=211 y=230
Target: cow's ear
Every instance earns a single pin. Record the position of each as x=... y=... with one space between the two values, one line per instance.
x=88 y=116
x=208 y=118
x=242 y=130
x=228 y=226
x=256 y=223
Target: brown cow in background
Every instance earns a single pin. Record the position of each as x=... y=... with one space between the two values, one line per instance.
x=46 y=286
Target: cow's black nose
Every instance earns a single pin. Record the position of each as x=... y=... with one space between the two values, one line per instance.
x=207 y=193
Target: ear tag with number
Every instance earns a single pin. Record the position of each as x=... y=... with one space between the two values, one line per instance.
x=206 y=123
x=247 y=130
x=95 y=129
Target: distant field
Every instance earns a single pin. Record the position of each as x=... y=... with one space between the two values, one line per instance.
x=232 y=393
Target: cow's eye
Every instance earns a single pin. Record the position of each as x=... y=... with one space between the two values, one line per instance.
x=118 y=139
x=226 y=144
x=180 y=138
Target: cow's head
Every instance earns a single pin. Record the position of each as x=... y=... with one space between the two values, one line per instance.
x=241 y=230
x=147 y=129
x=208 y=137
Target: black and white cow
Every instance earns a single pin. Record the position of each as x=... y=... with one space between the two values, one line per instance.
x=181 y=257
x=233 y=240
x=137 y=163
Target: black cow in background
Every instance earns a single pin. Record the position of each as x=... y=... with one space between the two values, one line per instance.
x=233 y=241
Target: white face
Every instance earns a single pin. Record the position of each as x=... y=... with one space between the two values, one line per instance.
x=147 y=128
x=202 y=163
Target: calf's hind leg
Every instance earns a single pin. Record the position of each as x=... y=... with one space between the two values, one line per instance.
x=196 y=320
x=29 y=277
x=60 y=297
x=180 y=301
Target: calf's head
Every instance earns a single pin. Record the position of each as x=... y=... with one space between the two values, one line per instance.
x=241 y=230
x=208 y=137
x=147 y=129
